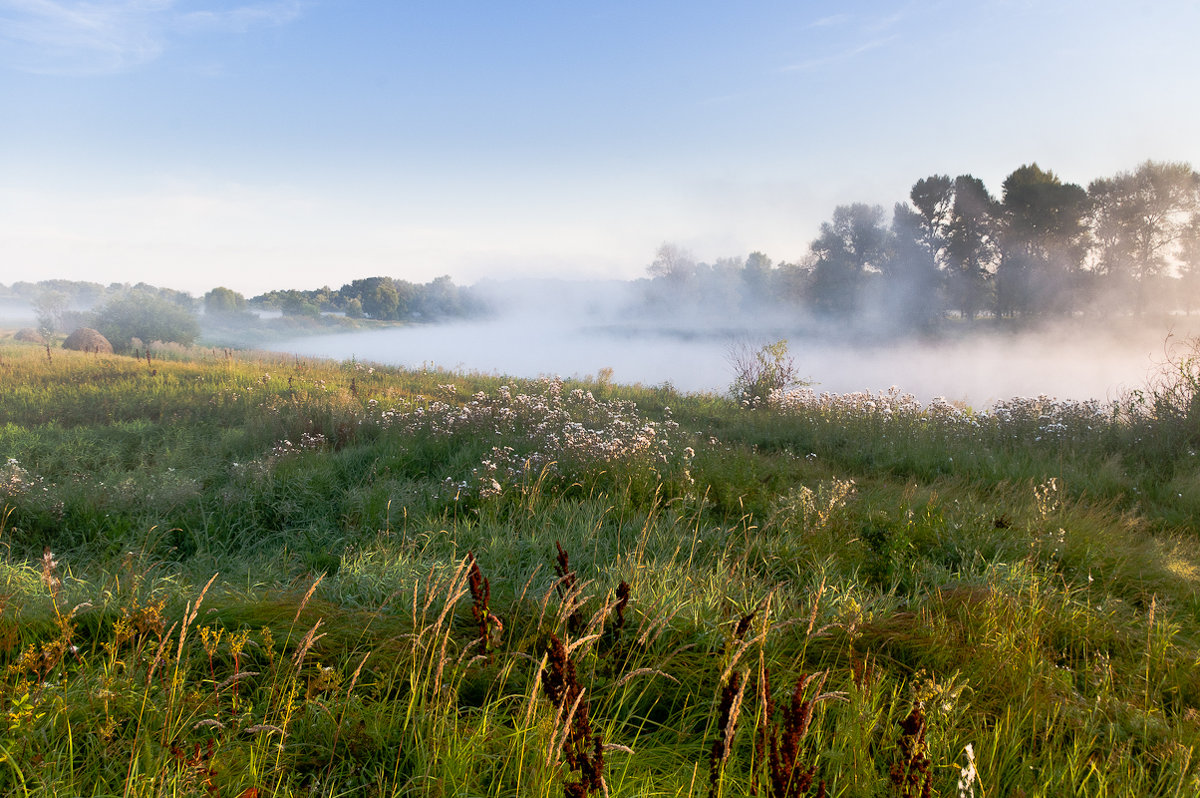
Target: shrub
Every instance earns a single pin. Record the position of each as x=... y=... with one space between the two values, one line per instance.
x=1175 y=390
x=145 y=315
x=756 y=374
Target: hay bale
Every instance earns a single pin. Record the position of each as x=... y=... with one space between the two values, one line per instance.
x=85 y=339
x=29 y=336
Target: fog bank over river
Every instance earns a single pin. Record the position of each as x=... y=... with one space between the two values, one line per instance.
x=1074 y=361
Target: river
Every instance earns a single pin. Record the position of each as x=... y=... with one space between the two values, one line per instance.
x=1074 y=361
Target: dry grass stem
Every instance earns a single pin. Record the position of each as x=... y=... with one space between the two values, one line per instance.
x=308 y=595
x=643 y=672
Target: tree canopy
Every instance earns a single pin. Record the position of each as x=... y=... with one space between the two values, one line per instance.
x=1125 y=244
x=146 y=316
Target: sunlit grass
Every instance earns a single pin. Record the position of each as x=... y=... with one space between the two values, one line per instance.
x=226 y=572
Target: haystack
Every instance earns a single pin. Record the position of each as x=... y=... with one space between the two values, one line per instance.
x=85 y=339
x=29 y=336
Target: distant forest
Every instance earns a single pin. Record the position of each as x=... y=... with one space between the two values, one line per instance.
x=383 y=298
x=1126 y=245
x=130 y=316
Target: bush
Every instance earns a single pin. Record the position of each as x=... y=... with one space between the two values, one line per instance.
x=757 y=374
x=1164 y=418
x=147 y=316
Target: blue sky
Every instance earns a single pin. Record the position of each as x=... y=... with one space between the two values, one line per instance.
x=298 y=143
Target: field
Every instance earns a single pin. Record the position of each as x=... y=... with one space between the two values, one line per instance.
x=236 y=574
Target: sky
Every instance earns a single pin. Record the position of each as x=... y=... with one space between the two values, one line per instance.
x=264 y=144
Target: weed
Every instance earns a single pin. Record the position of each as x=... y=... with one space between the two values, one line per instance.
x=485 y=621
x=757 y=374
x=582 y=749
x=910 y=772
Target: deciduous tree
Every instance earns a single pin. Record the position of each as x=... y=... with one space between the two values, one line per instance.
x=1043 y=241
x=910 y=272
x=971 y=245
x=223 y=301
x=1140 y=220
x=849 y=248
x=147 y=316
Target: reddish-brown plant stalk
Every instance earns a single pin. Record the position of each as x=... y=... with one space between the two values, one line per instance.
x=582 y=748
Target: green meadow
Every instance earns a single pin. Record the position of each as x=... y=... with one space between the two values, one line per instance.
x=237 y=574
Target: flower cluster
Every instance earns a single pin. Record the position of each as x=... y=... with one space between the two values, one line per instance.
x=813 y=509
x=890 y=405
x=308 y=442
x=545 y=431
x=1041 y=418
x=1051 y=419
x=15 y=480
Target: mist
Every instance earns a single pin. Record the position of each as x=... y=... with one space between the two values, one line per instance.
x=658 y=332
x=583 y=329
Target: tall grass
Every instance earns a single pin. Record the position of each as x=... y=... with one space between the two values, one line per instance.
x=240 y=574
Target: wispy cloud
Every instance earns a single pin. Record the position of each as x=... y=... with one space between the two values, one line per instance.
x=830 y=21
x=242 y=19
x=844 y=55
x=78 y=37
x=855 y=34
x=880 y=24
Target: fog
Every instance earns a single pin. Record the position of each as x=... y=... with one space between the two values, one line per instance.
x=15 y=312
x=585 y=329
x=578 y=330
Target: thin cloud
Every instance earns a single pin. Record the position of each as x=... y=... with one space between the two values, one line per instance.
x=240 y=20
x=830 y=21
x=74 y=37
x=845 y=55
x=881 y=24
x=872 y=29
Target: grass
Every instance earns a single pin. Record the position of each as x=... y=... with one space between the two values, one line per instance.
x=240 y=574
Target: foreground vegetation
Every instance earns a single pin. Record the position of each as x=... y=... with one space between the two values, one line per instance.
x=238 y=575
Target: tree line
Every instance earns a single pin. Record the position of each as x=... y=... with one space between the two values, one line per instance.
x=381 y=298
x=1126 y=244
x=126 y=314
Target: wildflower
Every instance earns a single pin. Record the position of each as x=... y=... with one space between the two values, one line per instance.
x=968 y=775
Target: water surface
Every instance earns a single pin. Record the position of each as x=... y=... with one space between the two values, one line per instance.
x=1074 y=362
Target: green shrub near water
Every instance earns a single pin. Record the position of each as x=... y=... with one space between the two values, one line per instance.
x=933 y=569
x=145 y=316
